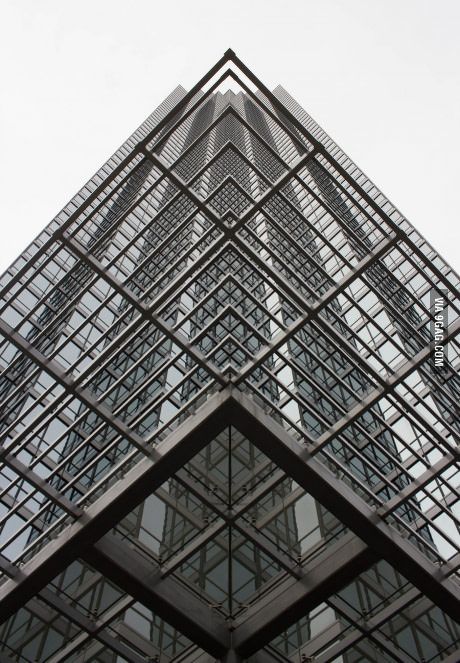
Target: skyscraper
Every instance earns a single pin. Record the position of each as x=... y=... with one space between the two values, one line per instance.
x=229 y=385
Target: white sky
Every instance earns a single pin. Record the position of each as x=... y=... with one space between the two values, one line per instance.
x=381 y=76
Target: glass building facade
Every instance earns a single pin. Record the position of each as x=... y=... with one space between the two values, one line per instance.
x=229 y=405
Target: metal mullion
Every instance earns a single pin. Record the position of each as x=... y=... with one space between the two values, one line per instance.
x=170 y=288
x=178 y=558
x=58 y=346
x=276 y=256
x=177 y=181
x=253 y=130
x=290 y=359
x=259 y=304
x=419 y=484
x=382 y=641
x=185 y=100
x=16 y=393
x=164 y=366
x=290 y=500
x=69 y=384
x=159 y=402
x=197 y=303
x=120 y=343
x=79 y=505
x=372 y=398
x=223 y=239
x=450 y=500
x=328 y=573
x=343 y=502
x=415 y=454
x=123 y=216
x=171 y=598
x=283 y=560
x=297 y=397
x=265 y=466
x=221 y=344
x=124 y=162
x=383 y=617
x=413 y=412
x=204 y=330
x=368 y=463
x=227 y=146
x=258 y=101
x=222 y=115
x=303 y=220
x=257 y=205
x=296 y=369
x=147 y=228
x=192 y=273
x=75 y=512
x=349 y=232
x=420 y=456
x=421 y=424
x=163 y=243
x=265 y=544
x=196 y=473
x=65 y=393
x=189 y=404
x=94 y=629
x=313 y=448
x=83 y=636
x=39 y=486
x=312 y=314
x=51 y=465
x=328 y=212
x=323 y=150
x=389 y=306
x=357 y=328
x=228 y=179
x=441 y=387
x=299 y=429
x=25 y=513
x=44 y=455
x=102 y=512
x=282 y=283
x=229 y=307
x=63 y=312
x=402 y=524
x=406 y=238
x=219 y=509
x=54 y=236
x=387 y=337
x=147 y=314
x=252 y=166
x=417 y=298
x=423 y=520
x=349 y=200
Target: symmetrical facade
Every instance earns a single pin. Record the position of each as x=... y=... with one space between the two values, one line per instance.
x=229 y=405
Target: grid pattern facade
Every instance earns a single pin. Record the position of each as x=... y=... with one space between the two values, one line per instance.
x=224 y=436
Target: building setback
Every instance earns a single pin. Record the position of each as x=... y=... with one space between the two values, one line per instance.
x=229 y=405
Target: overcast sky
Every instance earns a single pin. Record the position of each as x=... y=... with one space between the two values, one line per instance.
x=381 y=76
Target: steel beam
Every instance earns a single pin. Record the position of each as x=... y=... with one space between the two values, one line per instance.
x=166 y=597
x=116 y=502
x=292 y=599
x=345 y=504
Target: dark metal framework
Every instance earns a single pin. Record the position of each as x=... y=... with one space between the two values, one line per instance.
x=223 y=434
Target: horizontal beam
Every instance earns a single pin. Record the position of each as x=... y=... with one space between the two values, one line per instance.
x=345 y=504
x=119 y=500
x=166 y=597
x=292 y=599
